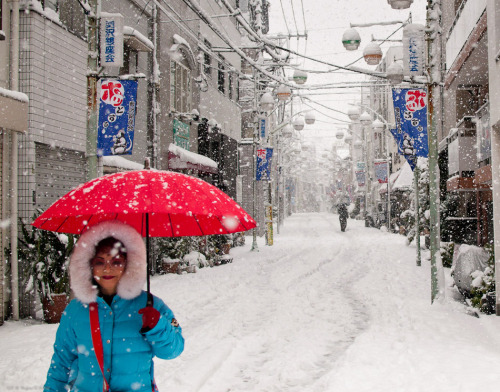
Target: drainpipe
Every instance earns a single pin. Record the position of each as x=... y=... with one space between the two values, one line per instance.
x=14 y=85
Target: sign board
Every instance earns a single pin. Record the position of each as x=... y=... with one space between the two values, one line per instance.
x=414 y=49
x=181 y=134
x=360 y=166
x=263 y=169
x=410 y=113
x=381 y=169
x=117 y=108
x=111 y=40
x=360 y=177
x=262 y=128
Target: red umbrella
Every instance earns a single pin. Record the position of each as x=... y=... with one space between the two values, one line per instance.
x=155 y=203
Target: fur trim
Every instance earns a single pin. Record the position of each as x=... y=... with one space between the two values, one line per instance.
x=134 y=277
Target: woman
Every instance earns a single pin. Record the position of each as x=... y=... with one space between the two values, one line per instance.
x=107 y=272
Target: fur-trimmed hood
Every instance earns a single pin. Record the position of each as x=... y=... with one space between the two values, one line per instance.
x=134 y=277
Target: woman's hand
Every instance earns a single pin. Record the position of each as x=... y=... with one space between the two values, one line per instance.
x=150 y=317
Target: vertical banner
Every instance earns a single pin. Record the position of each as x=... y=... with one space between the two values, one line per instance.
x=381 y=172
x=263 y=128
x=410 y=112
x=410 y=158
x=263 y=169
x=117 y=107
x=360 y=177
x=414 y=49
x=111 y=40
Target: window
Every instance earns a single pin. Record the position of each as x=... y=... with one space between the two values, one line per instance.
x=230 y=86
x=50 y=4
x=180 y=87
x=207 y=60
x=221 y=79
x=130 y=61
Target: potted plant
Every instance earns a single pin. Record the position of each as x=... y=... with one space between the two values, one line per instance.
x=46 y=254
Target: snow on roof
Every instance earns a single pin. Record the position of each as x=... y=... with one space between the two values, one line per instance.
x=405 y=178
x=192 y=157
x=122 y=163
x=18 y=96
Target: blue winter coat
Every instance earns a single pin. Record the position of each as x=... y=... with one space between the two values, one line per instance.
x=128 y=354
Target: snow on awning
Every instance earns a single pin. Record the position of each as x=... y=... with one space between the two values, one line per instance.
x=121 y=163
x=404 y=181
x=179 y=158
x=136 y=40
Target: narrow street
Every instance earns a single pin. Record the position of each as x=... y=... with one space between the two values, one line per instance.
x=320 y=310
x=284 y=318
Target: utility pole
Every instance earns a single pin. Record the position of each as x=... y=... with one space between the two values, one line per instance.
x=434 y=91
x=92 y=78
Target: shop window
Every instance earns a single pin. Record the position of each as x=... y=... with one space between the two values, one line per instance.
x=180 y=87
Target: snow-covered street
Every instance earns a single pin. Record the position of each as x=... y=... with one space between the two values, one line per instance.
x=321 y=310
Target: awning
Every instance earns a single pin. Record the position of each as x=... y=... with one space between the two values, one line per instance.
x=179 y=158
x=136 y=40
x=121 y=163
x=13 y=110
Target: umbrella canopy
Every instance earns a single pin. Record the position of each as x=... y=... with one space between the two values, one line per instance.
x=170 y=204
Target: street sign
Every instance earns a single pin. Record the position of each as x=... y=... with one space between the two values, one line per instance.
x=111 y=40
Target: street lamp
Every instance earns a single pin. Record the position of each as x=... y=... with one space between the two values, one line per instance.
x=299 y=76
x=267 y=102
x=395 y=73
x=309 y=118
x=372 y=53
x=400 y=4
x=298 y=123
x=283 y=92
x=351 y=39
x=353 y=113
x=365 y=119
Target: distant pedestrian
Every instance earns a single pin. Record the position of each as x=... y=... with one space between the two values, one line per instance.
x=343 y=213
x=108 y=337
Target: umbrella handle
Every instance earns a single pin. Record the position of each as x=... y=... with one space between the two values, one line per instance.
x=150 y=299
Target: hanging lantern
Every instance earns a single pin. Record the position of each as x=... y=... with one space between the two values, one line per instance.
x=353 y=113
x=365 y=119
x=267 y=102
x=400 y=4
x=339 y=135
x=298 y=123
x=351 y=39
x=283 y=92
x=299 y=76
x=395 y=73
x=358 y=144
x=378 y=125
x=310 y=118
x=372 y=53
x=287 y=131
x=348 y=138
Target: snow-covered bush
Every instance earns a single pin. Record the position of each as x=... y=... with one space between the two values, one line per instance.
x=195 y=258
x=483 y=286
x=447 y=253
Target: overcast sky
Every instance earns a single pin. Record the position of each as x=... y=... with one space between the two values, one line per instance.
x=325 y=21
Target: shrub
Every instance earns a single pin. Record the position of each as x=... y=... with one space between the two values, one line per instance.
x=483 y=286
x=447 y=253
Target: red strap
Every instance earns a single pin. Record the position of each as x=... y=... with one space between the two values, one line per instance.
x=95 y=330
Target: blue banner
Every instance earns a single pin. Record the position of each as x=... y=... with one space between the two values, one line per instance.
x=381 y=169
x=117 y=107
x=411 y=159
x=360 y=177
x=263 y=171
x=410 y=113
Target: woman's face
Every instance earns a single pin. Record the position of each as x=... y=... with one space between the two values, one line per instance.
x=108 y=266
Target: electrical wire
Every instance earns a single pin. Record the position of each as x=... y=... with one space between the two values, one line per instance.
x=284 y=17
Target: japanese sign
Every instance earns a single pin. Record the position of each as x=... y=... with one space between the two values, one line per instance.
x=414 y=49
x=360 y=177
x=181 y=134
x=410 y=112
x=263 y=128
x=263 y=169
x=381 y=172
x=117 y=107
x=111 y=40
